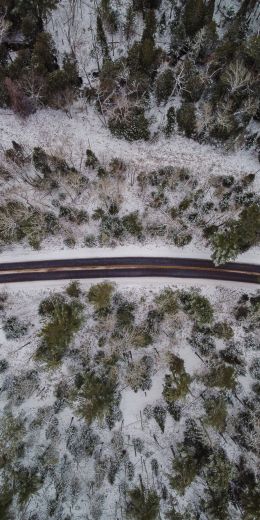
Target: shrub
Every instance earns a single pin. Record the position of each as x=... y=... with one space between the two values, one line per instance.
x=77 y=216
x=143 y=504
x=167 y=302
x=97 y=395
x=91 y=160
x=125 y=314
x=216 y=410
x=182 y=239
x=14 y=328
x=142 y=338
x=139 y=374
x=3 y=365
x=90 y=241
x=223 y=330
x=20 y=103
x=177 y=383
x=133 y=224
x=197 y=306
x=100 y=295
x=73 y=289
x=70 y=242
x=164 y=85
x=186 y=119
x=41 y=161
x=132 y=127
x=65 y=320
x=221 y=376
x=254 y=368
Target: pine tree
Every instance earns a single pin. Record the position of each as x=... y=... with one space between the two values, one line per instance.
x=101 y=37
x=159 y=414
x=129 y=22
x=44 y=55
x=171 y=118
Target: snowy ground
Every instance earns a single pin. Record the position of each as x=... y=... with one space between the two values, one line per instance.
x=49 y=433
x=70 y=137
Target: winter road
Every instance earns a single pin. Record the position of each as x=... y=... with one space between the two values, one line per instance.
x=126 y=267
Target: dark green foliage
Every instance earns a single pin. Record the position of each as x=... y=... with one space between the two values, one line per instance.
x=11 y=446
x=139 y=374
x=185 y=471
x=218 y=475
x=223 y=330
x=3 y=365
x=142 y=504
x=238 y=237
x=78 y=216
x=142 y=337
x=65 y=319
x=125 y=314
x=73 y=289
x=216 y=412
x=44 y=58
x=186 y=119
x=100 y=296
x=6 y=498
x=41 y=161
x=171 y=117
x=159 y=413
x=202 y=341
x=38 y=9
x=129 y=22
x=14 y=328
x=91 y=161
x=222 y=376
x=109 y=15
x=193 y=456
x=252 y=51
x=254 y=368
x=97 y=395
x=164 y=85
x=197 y=306
x=90 y=240
x=101 y=37
x=133 y=224
x=194 y=16
x=233 y=356
x=132 y=127
x=81 y=442
x=26 y=483
x=177 y=382
x=167 y=302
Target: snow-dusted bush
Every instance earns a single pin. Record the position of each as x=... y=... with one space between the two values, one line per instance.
x=14 y=328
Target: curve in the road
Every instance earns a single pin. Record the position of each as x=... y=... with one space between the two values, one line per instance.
x=126 y=267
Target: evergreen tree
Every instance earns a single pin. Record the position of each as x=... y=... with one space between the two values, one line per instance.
x=129 y=22
x=186 y=119
x=101 y=37
x=37 y=9
x=218 y=475
x=171 y=118
x=164 y=85
x=195 y=15
x=44 y=55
